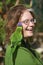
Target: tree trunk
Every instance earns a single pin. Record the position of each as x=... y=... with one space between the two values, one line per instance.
x=17 y=2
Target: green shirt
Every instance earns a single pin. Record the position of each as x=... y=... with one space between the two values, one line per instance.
x=25 y=57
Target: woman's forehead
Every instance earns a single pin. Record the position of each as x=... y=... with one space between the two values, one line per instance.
x=26 y=15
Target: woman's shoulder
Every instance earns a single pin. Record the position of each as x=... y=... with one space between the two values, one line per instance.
x=23 y=57
x=23 y=53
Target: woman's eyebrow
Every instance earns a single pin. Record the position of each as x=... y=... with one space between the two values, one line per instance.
x=27 y=20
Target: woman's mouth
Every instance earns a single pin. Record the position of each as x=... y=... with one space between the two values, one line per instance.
x=29 y=30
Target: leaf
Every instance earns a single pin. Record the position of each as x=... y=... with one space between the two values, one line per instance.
x=8 y=1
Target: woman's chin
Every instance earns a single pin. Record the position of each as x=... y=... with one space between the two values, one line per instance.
x=29 y=35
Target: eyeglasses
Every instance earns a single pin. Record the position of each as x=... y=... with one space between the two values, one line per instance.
x=27 y=21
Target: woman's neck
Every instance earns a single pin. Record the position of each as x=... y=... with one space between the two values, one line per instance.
x=29 y=40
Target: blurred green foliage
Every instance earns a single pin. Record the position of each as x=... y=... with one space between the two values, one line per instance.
x=38 y=8
x=2 y=30
x=0 y=4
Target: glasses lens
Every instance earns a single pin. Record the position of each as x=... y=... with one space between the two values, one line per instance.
x=27 y=21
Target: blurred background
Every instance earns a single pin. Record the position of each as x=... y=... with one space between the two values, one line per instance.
x=37 y=6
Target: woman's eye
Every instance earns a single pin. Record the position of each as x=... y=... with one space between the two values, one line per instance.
x=26 y=22
x=32 y=20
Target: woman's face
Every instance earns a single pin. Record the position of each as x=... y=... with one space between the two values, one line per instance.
x=28 y=24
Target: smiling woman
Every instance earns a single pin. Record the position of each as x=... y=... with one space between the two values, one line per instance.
x=27 y=21
x=19 y=51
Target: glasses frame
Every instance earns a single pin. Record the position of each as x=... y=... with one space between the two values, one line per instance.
x=27 y=21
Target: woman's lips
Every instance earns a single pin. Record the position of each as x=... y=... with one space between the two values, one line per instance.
x=29 y=29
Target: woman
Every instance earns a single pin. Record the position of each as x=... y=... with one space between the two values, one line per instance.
x=21 y=22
